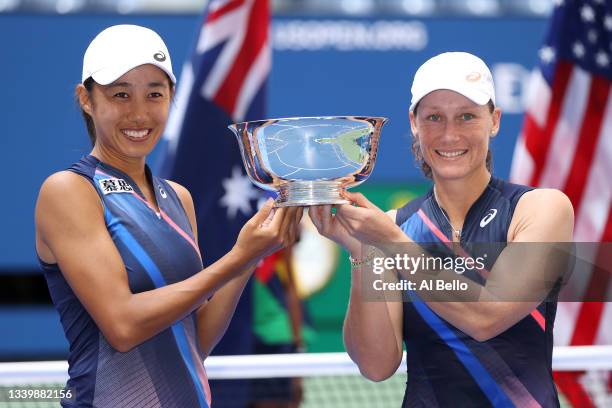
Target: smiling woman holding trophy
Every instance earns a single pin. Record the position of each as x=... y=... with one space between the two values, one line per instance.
x=118 y=245
x=479 y=353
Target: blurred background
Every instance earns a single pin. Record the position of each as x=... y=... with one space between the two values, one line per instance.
x=353 y=57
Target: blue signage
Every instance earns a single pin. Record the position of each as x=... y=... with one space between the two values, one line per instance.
x=321 y=66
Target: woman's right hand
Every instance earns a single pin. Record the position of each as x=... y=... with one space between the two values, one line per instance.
x=330 y=227
x=269 y=230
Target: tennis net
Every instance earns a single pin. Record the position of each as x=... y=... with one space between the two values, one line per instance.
x=327 y=379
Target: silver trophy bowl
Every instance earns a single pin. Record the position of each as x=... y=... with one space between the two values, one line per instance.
x=310 y=160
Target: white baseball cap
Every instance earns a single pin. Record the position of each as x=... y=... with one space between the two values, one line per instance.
x=461 y=72
x=120 y=48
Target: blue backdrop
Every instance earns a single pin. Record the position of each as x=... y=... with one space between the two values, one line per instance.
x=320 y=67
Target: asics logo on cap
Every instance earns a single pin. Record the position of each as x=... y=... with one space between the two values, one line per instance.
x=159 y=56
x=487 y=218
x=473 y=76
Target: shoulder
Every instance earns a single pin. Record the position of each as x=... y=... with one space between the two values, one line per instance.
x=67 y=204
x=183 y=194
x=545 y=200
x=67 y=187
x=543 y=213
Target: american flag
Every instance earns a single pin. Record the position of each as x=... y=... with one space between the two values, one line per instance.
x=566 y=143
x=223 y=82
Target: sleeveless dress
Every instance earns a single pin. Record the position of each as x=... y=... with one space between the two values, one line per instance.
x=448 y=368
x=157 y=249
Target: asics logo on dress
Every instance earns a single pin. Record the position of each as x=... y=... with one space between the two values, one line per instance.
x=487 y=218
x=162 y=192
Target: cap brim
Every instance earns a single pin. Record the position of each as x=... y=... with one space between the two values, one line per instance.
x=109 y=75
x=479 y=98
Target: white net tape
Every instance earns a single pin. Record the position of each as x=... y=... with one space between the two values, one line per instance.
x=575 y=358
x=329 y=379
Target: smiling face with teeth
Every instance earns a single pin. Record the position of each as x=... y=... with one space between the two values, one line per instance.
x=129 y=114
x=453 y=133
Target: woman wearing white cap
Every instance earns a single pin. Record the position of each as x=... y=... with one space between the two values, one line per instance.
x=118 y=245
x=478 y=353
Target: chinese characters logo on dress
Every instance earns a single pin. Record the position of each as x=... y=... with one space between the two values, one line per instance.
x=115 y=185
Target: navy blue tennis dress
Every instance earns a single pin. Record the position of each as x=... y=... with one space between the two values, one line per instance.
x=157 y=249
x=446 y=367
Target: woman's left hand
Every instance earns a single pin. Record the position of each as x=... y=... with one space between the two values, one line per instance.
x=366 y=222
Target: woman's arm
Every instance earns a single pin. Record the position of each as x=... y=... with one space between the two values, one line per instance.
x=372 y=332
x=71 y=231
x=542 y=215
x=372 y=329
x=214 y=316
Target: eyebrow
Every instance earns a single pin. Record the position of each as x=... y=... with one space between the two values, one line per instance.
x=437 y=107
x=128 y=85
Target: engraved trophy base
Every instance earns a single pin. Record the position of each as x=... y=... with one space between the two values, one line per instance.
x=305 y=193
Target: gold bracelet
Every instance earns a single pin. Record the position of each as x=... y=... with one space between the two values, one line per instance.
x=355 y=263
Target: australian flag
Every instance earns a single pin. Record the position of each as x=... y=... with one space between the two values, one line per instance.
x=223 y=82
